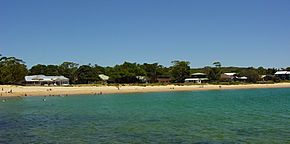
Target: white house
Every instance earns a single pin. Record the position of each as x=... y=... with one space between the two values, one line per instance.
x=46 y=80
x=283 y=75
x=197 y=78
x=104 y=77
x=243 y=78
x=141 y=78
x=229 y=76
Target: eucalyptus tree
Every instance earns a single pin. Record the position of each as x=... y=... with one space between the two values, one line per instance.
x=12 y=70
x=180 y=70
x=251 y=74
x=52 y=70
x=128 y=72
x=86 y=74
x=153 y=71
x=68 y=69
x=214 y=73
x=261 y=71
x=38 y=69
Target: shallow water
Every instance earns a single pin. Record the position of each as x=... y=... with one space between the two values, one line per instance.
x=221 y=116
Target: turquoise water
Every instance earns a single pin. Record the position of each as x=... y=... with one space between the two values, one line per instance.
x=225 y=116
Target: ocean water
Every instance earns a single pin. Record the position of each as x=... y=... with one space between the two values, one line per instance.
x=220 y=116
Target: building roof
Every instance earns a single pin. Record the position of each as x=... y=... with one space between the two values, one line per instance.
x=104 y=77
x=35 y=78
x=264 y=76
x=230 y=74
x=242 y=78
x=195 y=79
x=198 y=74
x=142 y=78
x=282 y=72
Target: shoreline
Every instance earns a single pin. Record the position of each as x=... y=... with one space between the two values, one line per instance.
x=21 y=91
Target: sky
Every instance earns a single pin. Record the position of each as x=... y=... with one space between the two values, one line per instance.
x=109 y=32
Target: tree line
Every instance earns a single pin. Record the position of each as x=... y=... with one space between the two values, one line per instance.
x=13 y=71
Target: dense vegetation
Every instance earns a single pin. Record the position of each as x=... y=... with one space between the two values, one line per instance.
x=13 y=71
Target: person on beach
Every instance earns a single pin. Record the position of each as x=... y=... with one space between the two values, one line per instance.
x=10 y=91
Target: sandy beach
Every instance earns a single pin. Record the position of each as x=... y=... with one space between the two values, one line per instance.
x=11 y=90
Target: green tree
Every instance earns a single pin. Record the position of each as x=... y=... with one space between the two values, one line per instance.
x=261 y=71
x=99 y=69
x=68 y=69
x=12 y=70
x=86 y=74
x=271 y=71
x=251 y=74
x=217 y=64
x=52 y=70
x=38 y=69
x=49 y=70
x=164 y=72
x=153 y=71
x=125 y=73
x=214 y=73
x=180 y=70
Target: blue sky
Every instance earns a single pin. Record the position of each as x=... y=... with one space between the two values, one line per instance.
x=108 y=32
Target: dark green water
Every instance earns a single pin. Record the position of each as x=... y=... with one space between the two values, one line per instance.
x=226 y=116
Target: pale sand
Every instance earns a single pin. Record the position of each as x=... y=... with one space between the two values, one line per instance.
x=94 y=90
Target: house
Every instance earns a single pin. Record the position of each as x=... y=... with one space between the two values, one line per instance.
x=46 y=80
x=267 y=77
x=103 y=77
x=197 y=78
x=142 y=78
x=242 y=78
x=233 y=77
x=283 y=75
x=228 y=76
x=164 y=79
